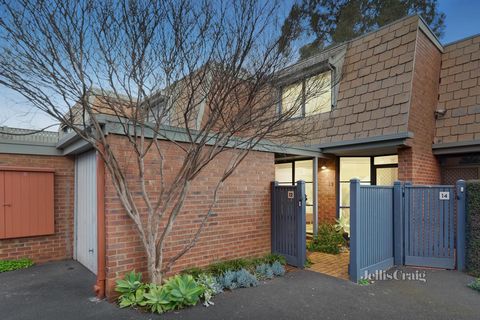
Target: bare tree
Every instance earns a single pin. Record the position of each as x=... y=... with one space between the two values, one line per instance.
x=206 y=67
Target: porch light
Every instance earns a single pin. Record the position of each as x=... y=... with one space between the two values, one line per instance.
x=323 y=167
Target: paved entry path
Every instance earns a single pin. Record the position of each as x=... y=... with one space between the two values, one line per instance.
x=63 y=291
x=335 y=265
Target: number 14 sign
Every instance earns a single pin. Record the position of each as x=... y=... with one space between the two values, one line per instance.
x=444 y=195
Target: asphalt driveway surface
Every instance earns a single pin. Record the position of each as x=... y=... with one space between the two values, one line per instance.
x=62 y=290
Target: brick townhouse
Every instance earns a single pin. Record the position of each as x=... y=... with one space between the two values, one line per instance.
x=395 y=104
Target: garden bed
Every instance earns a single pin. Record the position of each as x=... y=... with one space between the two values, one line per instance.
x=196 y=285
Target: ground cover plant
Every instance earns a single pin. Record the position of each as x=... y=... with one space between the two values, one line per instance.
x=475 y=285
x=10 y=265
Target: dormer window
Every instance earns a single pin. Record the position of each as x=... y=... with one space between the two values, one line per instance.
x=310 y=96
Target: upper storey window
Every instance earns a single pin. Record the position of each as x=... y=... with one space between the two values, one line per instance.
x=309 y=96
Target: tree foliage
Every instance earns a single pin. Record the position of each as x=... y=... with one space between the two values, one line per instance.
x=334 y=21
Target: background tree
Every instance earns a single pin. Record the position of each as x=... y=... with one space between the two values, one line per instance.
x=145 y=65
x=334 y=21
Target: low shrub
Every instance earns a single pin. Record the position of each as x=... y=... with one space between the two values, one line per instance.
x=211 y=287
x=278 y=269
x=475 y=285
x=271 y=258
x=11 y=265
x=328 y=240
x=228 y=280
x=245 y=279
x=238 y=279
x=250 y=264
x=264 y=271
x=194 y=272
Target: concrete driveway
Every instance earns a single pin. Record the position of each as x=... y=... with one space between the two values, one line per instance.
x=62 y=290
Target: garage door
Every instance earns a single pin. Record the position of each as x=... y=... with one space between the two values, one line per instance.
x=86 y=210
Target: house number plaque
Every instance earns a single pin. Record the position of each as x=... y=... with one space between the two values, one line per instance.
x=444 y=195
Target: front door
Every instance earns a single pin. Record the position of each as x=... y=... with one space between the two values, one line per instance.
x=86 y=210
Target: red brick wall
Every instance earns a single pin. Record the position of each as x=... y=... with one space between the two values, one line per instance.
x=52 y=247
x=418 y=164
x=327 y=190
x=240 y=227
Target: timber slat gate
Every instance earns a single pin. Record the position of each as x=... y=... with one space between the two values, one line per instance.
x=288 y=222
x=406 y=225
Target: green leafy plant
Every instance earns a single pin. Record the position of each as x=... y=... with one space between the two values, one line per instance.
x=363 y=282
x=211 y=287
x=472 y=228
x=131 y=290
x=194 y=272
x=158 y=299
x=328 y=240
x=10 y=265
x=130 y=284
x=271 y=258
x=182 y=291
x=133 y=299
x=308 y=263
x=475 y=285
x=343 y=224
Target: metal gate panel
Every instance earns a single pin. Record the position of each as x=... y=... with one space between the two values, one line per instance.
x=289 y=222
x=430 y=226
x=86 y=210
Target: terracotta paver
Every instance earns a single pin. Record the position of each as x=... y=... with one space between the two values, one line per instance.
x=335 y=265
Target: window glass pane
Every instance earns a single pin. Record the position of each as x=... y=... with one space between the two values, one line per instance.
x=355 y=168
x=292 y=98
x=318 y=94
x=304 y=170
x=345 y=214
x=393 y=159
x=386 y=176
x=309 y=193
x=345 y=194
x=283 y=173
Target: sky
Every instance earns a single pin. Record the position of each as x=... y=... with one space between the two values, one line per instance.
x=462 y=20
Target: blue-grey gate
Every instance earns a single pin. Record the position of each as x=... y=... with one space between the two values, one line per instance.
x=288 y=222
x=371 y=229
x=429 y=220
x=406 y=225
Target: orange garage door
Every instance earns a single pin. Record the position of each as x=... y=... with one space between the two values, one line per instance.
x=26 y=202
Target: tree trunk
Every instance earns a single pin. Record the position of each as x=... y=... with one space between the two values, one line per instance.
x=155 y=275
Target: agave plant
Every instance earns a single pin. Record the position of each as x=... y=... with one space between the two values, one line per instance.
x=132 y=299
x=157 y=299
x=130 y=284
x=183 y=291
x=342 y=224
